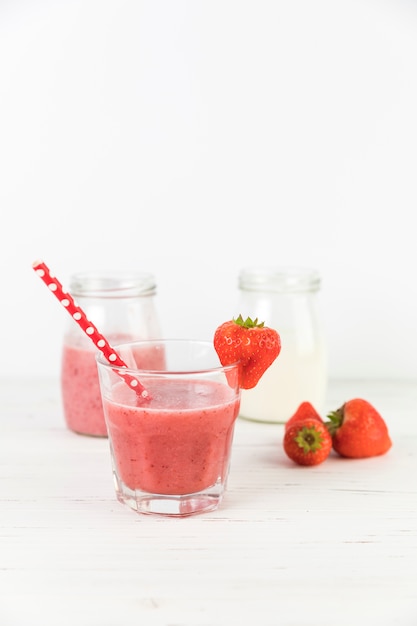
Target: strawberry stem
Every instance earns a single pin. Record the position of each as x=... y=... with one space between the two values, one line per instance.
x=336 y=420
x=309 y=439
x=248 y=322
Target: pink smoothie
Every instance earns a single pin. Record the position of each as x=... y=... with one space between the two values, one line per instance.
x=81 y=392
x=80 y=388
x=178 y=443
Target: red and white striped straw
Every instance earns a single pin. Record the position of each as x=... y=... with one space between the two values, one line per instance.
x=88 y=327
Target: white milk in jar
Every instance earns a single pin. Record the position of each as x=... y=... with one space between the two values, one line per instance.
x=285 y=299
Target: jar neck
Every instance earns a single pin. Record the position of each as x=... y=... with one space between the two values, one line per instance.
x=284 y=280
x=112 y=284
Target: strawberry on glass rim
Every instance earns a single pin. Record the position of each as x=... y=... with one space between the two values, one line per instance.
x=250 y=343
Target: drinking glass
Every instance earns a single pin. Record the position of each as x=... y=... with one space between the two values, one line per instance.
x=170 y=452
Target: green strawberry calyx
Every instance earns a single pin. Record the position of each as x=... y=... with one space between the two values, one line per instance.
x=248 y=322
x=336 y=420
x=309 y=439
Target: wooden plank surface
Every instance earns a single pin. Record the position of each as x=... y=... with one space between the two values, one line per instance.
x=290 y=546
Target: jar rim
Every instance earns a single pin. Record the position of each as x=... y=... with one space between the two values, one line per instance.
x=283 y=279
x=112 y=284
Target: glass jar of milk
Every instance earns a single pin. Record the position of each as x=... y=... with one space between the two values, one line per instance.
x=285 y=299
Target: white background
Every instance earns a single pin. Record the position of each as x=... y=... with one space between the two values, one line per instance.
x=192 y=138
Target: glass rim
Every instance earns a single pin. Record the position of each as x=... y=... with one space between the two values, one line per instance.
x=101 y=359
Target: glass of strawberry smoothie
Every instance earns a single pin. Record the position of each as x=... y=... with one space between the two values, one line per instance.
x=170 y=452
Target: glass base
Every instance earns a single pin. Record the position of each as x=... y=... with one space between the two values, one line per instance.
x=260 y=420
x=167 y=504
x=83 y=434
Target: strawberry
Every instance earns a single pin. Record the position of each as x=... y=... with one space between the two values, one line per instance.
x=358 y=430
x=304 y=410
x=252 y=344
x=307 y=442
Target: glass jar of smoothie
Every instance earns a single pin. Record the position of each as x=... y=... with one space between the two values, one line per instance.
x=285 y=299
x=122 y=306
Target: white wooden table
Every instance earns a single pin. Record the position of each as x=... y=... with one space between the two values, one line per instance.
x=333 y=545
